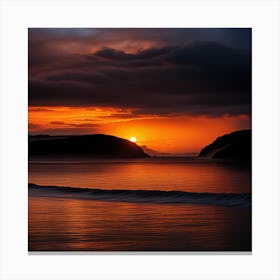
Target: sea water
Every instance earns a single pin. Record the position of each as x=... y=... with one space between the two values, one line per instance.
x=152 y=204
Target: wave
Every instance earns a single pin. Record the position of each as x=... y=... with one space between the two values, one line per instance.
x=142 y=196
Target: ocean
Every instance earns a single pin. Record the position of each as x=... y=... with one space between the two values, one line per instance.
x=151 y=204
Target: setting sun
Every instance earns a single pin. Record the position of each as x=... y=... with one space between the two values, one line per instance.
x=133 y=139
x=93 y=185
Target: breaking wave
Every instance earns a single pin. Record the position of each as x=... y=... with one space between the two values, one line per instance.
x=143 y=196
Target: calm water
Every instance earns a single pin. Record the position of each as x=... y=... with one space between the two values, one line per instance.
x=185 y=174
x=75 y=224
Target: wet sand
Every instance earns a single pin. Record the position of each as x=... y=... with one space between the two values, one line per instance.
x=58 y=224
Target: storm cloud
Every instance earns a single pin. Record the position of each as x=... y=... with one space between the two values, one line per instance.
x=152 y=71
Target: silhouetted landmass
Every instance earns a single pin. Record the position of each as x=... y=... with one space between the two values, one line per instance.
x=236 y=145
x=89 y=146
x=154 y=153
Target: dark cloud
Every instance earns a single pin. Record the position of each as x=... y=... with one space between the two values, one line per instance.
x=57 y=122
x=121 y=55
x=63 y=131
x=38 y=109
x=123 y=116
x=80 y=125
x=194 y=71
x=63 y=128
x=34 y=126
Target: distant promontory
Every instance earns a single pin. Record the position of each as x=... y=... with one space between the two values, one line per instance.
x=236 y=145
x=83 y=146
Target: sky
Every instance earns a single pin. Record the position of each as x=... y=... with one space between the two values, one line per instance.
x=175 y=90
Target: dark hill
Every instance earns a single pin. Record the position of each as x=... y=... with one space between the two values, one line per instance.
x=237 y=144
x=89 y=146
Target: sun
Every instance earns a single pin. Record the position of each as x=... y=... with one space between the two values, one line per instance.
x=133 y=139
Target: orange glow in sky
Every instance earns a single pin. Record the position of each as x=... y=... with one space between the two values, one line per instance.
x=174 y=89
x=163 y=133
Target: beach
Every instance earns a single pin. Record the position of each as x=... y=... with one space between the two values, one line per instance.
x=183 y=204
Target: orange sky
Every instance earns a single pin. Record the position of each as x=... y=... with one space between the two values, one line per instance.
x=164 y=133
x=174 y=89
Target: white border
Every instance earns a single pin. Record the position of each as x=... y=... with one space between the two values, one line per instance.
x=262 y=16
